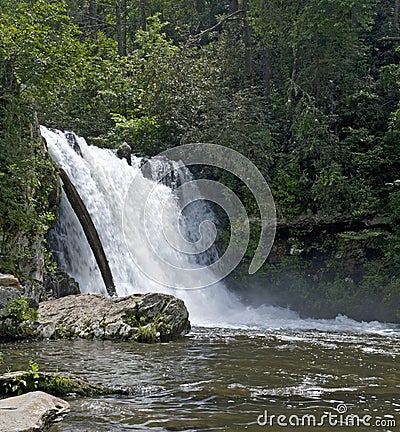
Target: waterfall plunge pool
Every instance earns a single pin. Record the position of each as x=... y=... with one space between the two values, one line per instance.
x=221 y=379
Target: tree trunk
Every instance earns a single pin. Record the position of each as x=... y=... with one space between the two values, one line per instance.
x=292 y=87
x=267 y=72
x=120 y=12
x=93 y=19
x=143 y=17
x=89 y=230
x=248 y=62
x=233 y=6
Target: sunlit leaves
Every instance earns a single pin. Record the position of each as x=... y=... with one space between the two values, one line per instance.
x=38 y=39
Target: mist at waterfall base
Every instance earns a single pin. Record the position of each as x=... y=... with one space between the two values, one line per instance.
x=103 y=181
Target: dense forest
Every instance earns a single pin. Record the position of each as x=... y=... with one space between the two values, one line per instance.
x=306 y=89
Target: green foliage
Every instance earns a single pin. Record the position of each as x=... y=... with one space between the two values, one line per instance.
x=168 y=89
x=15 y=322
x=34 y=368
x=287 y=189
x=36 y=45
x=148 y=330
x=132 y=320
x=52 y=383
x=22 y=383
x=38 y=42
x=15 y=387
x=19 y=311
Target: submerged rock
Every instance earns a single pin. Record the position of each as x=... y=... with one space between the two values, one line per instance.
x=30 y=412
x=54 y=383
x=140 y=317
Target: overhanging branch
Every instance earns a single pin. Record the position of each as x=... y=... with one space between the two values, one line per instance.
x=219 y=25
x=390 y=39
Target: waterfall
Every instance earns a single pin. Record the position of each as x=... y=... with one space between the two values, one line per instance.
x=102 y=181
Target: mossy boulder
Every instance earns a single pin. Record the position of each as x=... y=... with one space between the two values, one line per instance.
x=140 y=317
x=55 y=383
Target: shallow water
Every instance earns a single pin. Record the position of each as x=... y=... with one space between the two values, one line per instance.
x=227 y=379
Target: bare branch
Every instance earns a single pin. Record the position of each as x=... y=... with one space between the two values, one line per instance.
x=390 y=39
x=219 y=25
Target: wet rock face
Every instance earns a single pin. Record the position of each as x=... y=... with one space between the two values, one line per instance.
x=124 y=152
x=59 y=284
x=140 y=317
x=34 y=411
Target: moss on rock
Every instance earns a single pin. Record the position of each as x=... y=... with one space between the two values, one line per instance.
x=57 y=384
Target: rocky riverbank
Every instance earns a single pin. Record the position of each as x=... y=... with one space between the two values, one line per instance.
x=151 y=317
x=147 y=317
x=324 y=267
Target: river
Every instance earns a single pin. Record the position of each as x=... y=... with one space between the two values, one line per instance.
x=225 y=379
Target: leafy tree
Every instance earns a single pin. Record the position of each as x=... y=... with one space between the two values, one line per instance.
x=37 y=46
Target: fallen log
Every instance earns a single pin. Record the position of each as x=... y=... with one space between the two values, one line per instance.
x=90 y=231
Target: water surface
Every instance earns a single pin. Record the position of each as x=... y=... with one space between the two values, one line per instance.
x=225 y=379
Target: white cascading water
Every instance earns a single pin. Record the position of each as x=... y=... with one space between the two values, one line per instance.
x=102 y=181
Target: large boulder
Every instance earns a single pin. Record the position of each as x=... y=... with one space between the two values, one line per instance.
x=31 y=412
x=140 y=317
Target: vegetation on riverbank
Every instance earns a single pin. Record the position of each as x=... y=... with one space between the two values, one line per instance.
x=308 y=90
x=54 y=383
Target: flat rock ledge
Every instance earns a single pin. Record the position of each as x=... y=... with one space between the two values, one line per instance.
x=31 y=412
x=148 y=317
